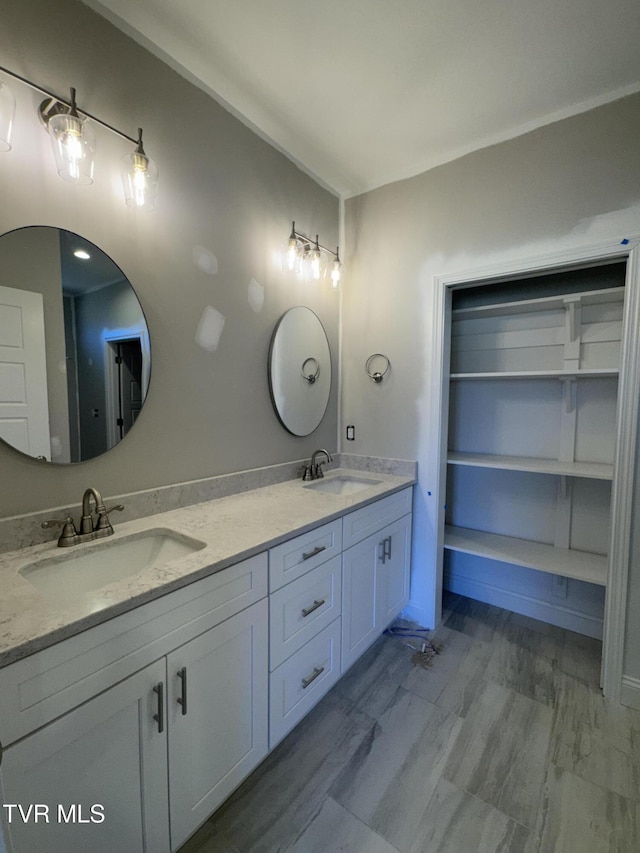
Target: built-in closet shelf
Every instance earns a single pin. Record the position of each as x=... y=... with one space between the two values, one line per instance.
x=589 y=470
x=524 y=306
x=579 y=565
x=596 y=373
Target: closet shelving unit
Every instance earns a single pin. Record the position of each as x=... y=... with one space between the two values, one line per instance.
x=533 y=388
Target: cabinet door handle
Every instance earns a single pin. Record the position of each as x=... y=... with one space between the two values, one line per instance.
x=317 y=550
x=382 y=551
x=307 y=610
x=182 y=699
x=318 y=670
x=159 y=717
x=387 y=550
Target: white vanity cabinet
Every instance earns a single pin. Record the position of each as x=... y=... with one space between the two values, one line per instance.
x=375 y=571
x=217 y=716
x=305 y=601
x=104 y=765
x=80 y=730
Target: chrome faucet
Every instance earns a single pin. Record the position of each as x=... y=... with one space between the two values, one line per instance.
x=313 y=471
x=89 y=529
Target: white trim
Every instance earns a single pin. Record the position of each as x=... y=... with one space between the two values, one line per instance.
x=622 y=488
x=628 y=398
x=630 y=692
x=554 y=614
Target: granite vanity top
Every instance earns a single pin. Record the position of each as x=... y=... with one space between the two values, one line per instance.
x=233 y=528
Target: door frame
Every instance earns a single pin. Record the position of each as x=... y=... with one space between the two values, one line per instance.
x=112 y=403
x=626 y=428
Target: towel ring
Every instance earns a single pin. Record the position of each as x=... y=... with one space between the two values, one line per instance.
x=309 y=376
x=377 y=377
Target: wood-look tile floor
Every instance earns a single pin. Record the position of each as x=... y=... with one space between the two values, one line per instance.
x=504 y=744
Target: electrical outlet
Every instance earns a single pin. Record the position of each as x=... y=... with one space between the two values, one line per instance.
x=351 y=432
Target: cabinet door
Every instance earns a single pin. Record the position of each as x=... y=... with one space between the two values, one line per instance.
x=218 y=716
x=98 y=775
x=359 y=627
x=392 y=571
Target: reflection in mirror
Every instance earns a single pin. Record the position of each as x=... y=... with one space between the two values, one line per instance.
x=74 y=346
x=300 y=371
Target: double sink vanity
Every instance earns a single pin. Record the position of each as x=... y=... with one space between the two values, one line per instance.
x=144 y=675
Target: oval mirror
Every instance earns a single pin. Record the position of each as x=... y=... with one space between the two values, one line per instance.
x=75 y=358
x=299 y=370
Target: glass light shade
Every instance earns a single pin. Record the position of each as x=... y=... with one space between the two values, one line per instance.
x=7 y=113
x=335 y=273
x=140 y=180
x=74 y=147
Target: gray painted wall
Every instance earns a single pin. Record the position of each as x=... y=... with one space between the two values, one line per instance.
x=222 y=188
x=567 y=185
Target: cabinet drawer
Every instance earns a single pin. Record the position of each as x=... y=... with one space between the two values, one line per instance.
x=302 y=680
x=301 y=609
x=363 y=522
x=298 y=556
x=49 y=683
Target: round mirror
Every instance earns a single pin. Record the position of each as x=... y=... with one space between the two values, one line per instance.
x=74 y=346
x=300 y=371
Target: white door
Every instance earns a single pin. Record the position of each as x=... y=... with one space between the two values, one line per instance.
x=359 y=606
x=218 y=716
x=98 y=774
x=392 y=575
x=24 y=406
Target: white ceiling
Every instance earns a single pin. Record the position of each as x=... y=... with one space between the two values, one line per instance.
x=363 y=92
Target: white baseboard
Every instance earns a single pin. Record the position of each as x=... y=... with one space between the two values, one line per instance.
x=630 y=692
x=555 y=614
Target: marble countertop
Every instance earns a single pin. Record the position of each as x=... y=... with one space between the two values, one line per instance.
x=231 y=528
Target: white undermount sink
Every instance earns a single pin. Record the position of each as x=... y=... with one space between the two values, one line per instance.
x=342 y=484
x=84 y=568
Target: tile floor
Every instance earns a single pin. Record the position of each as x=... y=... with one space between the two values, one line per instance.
x=504 y=744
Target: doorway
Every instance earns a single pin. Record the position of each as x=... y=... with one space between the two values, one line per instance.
x=124 y=386
x=627 y=415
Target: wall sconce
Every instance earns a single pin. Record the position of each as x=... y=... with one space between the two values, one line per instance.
x=309 y=259
x=74 y=144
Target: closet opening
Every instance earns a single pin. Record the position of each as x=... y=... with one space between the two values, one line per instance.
x=538 y=396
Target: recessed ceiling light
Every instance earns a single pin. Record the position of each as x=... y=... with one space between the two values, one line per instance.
x=80 y=253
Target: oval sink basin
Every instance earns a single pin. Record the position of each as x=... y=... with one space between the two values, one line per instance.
x=342 y=485
x=84 y=568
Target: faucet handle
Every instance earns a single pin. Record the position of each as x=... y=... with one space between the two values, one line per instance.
x=68 y=534
x=103 y=522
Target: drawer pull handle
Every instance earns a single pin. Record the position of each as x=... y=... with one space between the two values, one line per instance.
x=159 y=717
x=307 y=555
x=307 y=610
x=182 y=700
x=311 y=678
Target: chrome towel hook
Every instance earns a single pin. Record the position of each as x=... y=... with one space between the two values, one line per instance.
x=378 y=375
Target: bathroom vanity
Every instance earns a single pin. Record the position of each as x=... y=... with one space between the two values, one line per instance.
x=136 y=708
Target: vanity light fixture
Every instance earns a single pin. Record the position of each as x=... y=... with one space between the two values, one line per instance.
x=139 y=177
x=309 y=259
x=72 y=139
x=82 y=254
x=7 y=113
x=74 y=144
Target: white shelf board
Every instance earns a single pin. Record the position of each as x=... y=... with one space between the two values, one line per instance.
x=525 y=306
x=579 y=565
x=590 y=470
x=540 y=374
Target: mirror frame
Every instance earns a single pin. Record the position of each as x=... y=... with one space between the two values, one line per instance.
x=315 y=380
x=134 y=328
